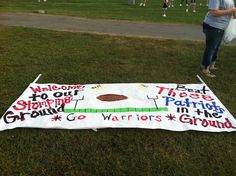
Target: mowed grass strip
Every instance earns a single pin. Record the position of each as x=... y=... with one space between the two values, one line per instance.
x=74 y=58
x=110 y=9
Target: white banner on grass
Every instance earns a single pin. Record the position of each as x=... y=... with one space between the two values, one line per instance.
x=176 y=107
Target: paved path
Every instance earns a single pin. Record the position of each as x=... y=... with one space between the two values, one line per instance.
x=112 y=27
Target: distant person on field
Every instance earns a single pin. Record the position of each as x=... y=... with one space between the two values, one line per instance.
x=165 y=7
x=143 y=3
x=201 y=3
x=216 y=21
x=192 y=5
x=171 y=3
x=181 y=3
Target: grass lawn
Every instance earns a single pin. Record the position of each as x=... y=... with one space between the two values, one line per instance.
x=72 y=58
x=109 y=9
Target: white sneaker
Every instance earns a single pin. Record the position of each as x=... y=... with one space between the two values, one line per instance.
x=180 y=5
x=208 y=73
x=164 y=15
x=141 y=4
x=194 y=11
x=186 y=10
x=144 y=4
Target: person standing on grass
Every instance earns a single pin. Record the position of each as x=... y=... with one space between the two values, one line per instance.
x=193 y=5
x=171 y=3
x=201 y=3
x=216 y=21
x=181 y=2
x=164 y=7
x=143 y=3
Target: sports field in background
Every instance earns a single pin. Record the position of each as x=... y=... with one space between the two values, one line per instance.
x=110 y=9
x=81 y=58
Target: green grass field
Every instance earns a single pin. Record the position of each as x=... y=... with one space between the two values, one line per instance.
x=109 y=9
x=70 y=58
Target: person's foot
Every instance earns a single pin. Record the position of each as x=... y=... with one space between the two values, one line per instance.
x=186 y=10
x=164 y=15
x=208 y=73
x=144 y=4
x=194 y=11
x=141 y=4
x=212 y=66
x=180 y=5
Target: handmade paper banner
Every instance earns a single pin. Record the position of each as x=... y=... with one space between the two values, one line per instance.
x=176 y=107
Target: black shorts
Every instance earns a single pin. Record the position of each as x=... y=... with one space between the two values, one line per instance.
x=165 y=5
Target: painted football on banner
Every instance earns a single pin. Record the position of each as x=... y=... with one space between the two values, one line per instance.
x=112 y=97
